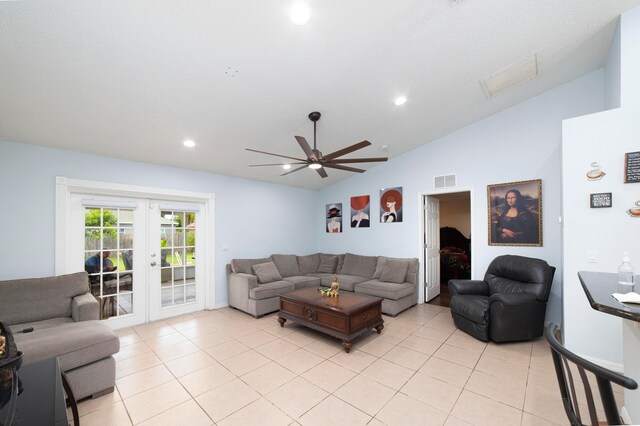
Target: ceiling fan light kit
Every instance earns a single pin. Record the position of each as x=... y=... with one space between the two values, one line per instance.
x=318 y=162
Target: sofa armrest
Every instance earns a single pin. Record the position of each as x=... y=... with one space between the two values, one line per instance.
x=476 y=287
x=85 y=307
x=240 y=285
x=513 y=299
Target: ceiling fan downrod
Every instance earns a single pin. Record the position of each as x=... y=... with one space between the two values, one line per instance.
x=314 y=116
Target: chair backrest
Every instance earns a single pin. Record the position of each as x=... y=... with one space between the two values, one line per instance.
x=561 y=360
x=514 y=274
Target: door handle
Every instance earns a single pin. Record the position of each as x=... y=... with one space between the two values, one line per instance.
x=153 y=263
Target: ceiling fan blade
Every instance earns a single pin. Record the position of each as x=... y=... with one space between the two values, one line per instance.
x=322 y=173
x=358 y=160
x=274 y=164
x=306 y=148
x=294 y=170
x=275 y=155
x=347 y=168
x=346 y=150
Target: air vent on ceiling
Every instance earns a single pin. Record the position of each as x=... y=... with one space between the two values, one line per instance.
x=444 y=181
x=510 y=76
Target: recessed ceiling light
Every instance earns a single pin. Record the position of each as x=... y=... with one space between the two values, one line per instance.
x=400 y=100
x=315 y=166
x=286 y=166
x=300 y=13
x=189 y=143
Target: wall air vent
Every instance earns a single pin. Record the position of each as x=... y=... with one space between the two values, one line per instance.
x=511 y=76
x=444 y=181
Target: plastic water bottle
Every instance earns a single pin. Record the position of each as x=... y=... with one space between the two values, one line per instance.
x=626 y=274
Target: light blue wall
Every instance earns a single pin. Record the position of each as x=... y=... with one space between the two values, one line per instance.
x=612 y=72
x=253 y=219
x=520 y=143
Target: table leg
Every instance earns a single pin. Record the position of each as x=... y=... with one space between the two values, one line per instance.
x=71 y=398
x=379 y=328
x=347 y=345
x=282 y=321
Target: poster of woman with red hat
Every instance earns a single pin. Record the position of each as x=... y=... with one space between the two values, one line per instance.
x=334 y=217
x=360 y=211
x=391 y=205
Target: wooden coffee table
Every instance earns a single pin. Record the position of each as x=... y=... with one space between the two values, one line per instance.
x=345 y=317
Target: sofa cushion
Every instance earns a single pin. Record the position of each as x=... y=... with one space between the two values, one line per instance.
x=244 y=265
x=41 y=325
x=76 y=344
x=266 y=272
x=362 y=266
x=304 y=281
x=412 y=269
x=395 y=271
x=287 y=264
x=269 y=290
x=45 y=298
x=328 y=264
x=385 y=290
x=309 y=264
x=347 y=282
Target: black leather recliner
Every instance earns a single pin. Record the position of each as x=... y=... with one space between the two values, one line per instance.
x=509 y=305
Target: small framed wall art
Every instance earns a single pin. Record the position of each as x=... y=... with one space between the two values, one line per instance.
x=360 y=211
x=334 y=217
x=391 y=205
x=601 y=200
x=632 y=167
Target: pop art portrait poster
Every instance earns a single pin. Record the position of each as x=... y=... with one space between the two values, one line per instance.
x=391 y=205
x=360 y=211
x=334 y=217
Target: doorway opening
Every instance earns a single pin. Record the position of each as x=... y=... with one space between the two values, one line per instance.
x=447 y=242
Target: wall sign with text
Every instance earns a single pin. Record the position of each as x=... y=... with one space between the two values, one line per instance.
x=632 y=167
x=601 y=200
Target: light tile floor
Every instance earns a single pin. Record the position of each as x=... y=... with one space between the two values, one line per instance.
x=224 y=367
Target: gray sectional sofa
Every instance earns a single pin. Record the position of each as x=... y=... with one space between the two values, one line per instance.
x=64 y=317
x=255 y=284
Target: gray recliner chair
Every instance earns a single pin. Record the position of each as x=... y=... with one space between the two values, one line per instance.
x=508 y=305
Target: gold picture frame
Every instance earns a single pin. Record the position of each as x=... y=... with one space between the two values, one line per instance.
x=515 y=213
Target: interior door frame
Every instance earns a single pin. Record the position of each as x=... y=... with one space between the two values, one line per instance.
x=421 y=229
x=66 y=186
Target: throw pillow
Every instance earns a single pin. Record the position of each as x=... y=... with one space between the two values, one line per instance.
x=361 y=266
x=395 y=271
x=327 y=264
x=309 y=264
x=287 y=264
x=266 y=272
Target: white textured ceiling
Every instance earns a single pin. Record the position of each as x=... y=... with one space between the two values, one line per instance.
x=132 y=79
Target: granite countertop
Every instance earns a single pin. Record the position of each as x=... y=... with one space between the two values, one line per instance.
x=599 y=286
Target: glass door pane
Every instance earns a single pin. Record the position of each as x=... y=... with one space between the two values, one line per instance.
x=108 y=258
x=178 y=260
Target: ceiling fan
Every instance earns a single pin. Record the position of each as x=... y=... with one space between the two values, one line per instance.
x=315 y=160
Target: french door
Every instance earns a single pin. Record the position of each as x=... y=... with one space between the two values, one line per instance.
x=145 y=260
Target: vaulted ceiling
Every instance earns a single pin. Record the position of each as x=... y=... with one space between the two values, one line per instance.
x=133 y=80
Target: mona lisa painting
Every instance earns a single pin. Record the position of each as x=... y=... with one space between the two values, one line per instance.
x=515 y=213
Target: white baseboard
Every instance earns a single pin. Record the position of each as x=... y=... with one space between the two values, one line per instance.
x=625 y=416
x=218 y=306
x=618 y=368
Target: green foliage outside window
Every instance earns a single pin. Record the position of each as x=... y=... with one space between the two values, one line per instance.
x=99 y=217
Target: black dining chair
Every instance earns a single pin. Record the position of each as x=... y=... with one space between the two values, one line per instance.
x=562 y=358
